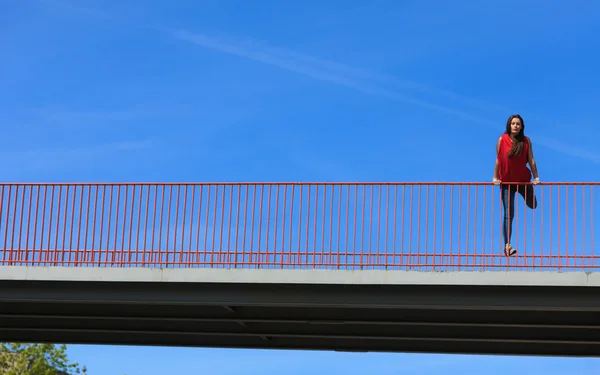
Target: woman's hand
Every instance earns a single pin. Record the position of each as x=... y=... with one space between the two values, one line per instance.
x=496 y=181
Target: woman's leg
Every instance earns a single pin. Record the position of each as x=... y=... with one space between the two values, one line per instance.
x=508 y=204
x=528 y=193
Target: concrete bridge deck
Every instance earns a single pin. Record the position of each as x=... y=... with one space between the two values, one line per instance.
x=534 y=313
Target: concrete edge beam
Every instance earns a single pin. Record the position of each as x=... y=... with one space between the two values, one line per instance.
x=336 y=277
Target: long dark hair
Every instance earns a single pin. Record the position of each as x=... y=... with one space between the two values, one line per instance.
x=519 y=139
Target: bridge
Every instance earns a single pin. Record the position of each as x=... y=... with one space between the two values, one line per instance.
x=412 y=267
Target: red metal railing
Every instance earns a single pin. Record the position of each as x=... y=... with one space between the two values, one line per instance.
x=408 y=226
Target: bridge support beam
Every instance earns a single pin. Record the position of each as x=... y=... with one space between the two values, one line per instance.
x=463 y=312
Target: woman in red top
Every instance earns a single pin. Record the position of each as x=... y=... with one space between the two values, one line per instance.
x=514 y=151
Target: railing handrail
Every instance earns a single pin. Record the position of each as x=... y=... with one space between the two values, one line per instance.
x=299 y=183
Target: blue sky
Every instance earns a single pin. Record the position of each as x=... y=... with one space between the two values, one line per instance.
x=415 y=90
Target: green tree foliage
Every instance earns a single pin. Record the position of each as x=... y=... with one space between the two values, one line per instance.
x=36 y=359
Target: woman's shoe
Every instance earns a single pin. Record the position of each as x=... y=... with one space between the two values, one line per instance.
x=509 y=250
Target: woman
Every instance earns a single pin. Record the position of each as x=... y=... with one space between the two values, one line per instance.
x=513 y=152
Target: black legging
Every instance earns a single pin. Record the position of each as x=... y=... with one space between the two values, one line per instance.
x=508 y=193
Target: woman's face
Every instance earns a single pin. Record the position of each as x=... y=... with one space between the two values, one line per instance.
x=515 y=126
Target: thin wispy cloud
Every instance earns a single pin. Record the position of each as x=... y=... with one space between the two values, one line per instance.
x=82 y=150
x=336 y=76
x=292 y=60
x=105 y=118
x=359 y=73
x=85 y=118
x=85 y=11
x=567 y=149
x=321 y=69
x=333 y=72
x=63 y=157
x=343 y=75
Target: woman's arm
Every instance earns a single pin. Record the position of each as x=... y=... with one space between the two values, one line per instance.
x=496 y=166
x=531 y=160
